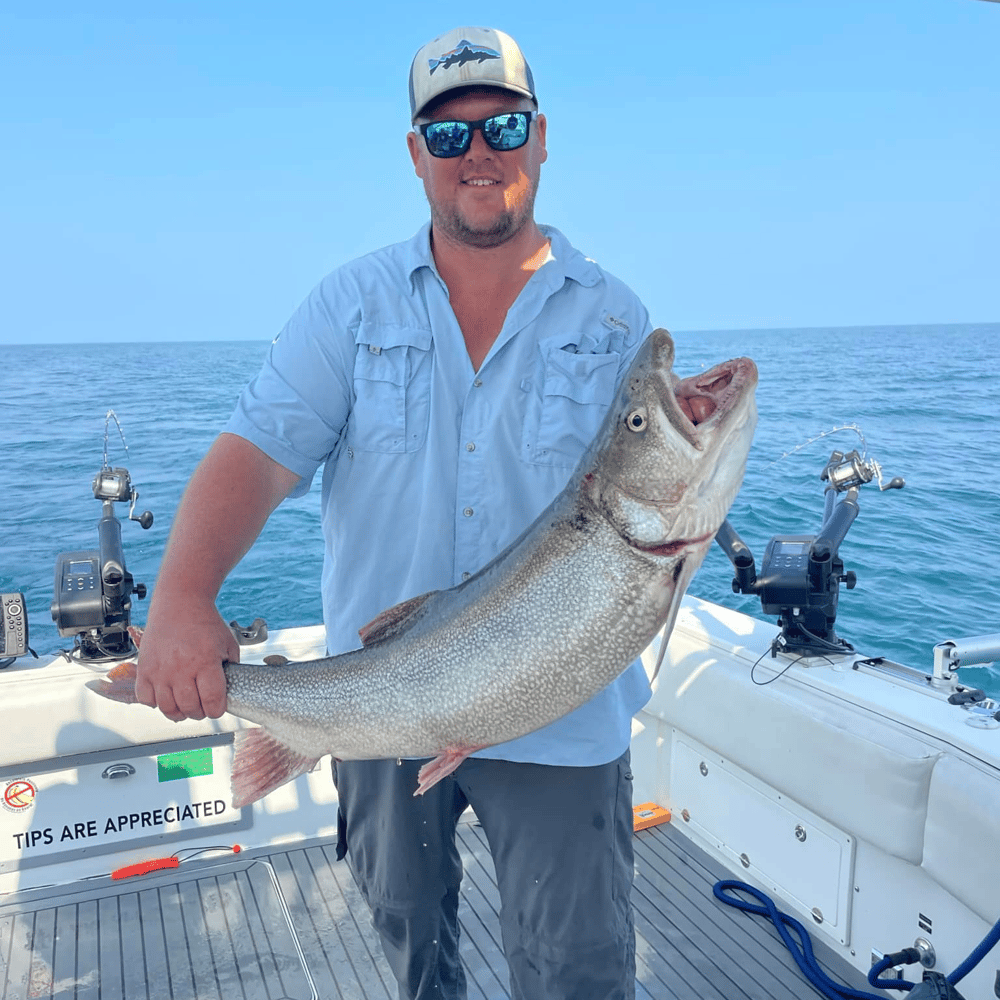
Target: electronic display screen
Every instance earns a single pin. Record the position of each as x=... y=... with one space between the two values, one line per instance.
x=792 y=548
x=85 y=567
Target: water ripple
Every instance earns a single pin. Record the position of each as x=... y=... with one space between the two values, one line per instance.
x=924 y=559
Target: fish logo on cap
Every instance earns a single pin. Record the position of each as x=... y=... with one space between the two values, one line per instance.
x=463 y=53
x=468 y=57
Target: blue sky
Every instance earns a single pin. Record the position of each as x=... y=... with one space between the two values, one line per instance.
x=190 y=173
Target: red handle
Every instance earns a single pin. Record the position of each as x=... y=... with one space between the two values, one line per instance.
x=145 y=866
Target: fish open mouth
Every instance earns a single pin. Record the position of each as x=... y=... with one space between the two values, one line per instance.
x=697 y=403
x=709 y=412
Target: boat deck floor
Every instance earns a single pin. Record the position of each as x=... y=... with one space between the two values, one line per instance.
x=290 y=924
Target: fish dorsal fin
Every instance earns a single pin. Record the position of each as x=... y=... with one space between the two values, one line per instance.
x=393 y=620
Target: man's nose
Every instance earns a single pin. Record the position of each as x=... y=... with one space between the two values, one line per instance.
x=478 y=147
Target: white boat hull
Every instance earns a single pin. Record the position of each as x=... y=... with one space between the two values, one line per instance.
x=855 y=795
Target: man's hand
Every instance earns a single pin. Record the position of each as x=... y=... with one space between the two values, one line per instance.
x=180 y=660
x=230 y=496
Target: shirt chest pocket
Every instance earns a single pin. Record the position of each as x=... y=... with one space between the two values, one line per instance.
x=566 y=407
x=392 y=379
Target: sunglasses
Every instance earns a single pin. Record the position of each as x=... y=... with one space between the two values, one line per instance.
x=502 y=132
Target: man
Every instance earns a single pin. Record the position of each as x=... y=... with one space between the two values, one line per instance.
x=448 y=385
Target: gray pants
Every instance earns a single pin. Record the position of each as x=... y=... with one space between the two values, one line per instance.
x=561 y=840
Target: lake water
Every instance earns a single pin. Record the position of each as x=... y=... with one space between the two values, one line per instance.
x=926 y=399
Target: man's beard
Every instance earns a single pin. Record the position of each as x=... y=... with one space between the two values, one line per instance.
x=452 y=224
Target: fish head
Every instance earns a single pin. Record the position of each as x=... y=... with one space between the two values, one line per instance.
x=664 y=482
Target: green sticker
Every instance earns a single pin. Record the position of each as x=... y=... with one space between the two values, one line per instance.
x=187 y=764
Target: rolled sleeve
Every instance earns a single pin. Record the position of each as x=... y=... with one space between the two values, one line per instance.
x=296 y=407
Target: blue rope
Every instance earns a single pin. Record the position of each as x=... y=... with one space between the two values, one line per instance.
x=978 y=954
x=805 y=960
x=801 y=952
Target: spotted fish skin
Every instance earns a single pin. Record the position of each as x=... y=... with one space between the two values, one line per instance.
x=555 y=617
x=543 y=627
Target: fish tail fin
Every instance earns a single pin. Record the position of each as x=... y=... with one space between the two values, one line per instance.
x=441 y=766
x=118 y=684
x=262 y=763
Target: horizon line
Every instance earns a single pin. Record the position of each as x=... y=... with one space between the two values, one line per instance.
x=673 y=332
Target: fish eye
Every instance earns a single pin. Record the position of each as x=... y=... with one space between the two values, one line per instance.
x=636 y=420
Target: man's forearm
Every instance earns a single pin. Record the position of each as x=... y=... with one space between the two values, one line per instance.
x=226 y=504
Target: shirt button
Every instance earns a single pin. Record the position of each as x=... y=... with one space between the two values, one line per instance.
x=467 y=512
x=471 y=446
x=478 y=382
x=465 y=576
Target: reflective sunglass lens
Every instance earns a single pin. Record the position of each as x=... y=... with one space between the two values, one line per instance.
x=502 y=132
x=448 y=138
x=506 y=131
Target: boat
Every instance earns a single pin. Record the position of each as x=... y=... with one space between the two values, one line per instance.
x=861 y=797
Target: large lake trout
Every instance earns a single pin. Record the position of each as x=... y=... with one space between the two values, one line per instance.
x=543 y=627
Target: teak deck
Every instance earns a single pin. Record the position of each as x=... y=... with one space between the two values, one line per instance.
x=290 y=924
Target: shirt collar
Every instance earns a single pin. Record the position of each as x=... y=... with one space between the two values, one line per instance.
x=568 y=260
x=417 y=254
x=564 y=260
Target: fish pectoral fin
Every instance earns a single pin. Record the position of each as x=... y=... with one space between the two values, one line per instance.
x=441 y=766
x=393 y=620
x=261 y=763
x=684 y=569
x=118 y=684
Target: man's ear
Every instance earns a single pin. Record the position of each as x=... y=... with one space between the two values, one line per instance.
x=413 y=145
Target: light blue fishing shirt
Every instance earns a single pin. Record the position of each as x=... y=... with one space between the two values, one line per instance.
x=430 y=467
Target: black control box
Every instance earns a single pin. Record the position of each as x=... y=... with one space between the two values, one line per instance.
x=79 y=599
x=14 y=633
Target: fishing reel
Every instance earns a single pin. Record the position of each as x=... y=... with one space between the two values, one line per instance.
x=93 y=589
x=801 y=574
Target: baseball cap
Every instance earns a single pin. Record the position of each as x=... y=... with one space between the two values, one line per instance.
x=468 y=57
